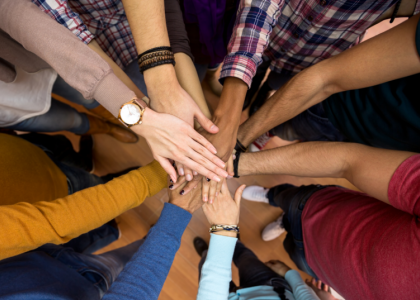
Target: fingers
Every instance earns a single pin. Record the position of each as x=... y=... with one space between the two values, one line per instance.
x=205 y=189
x=188 y=174
x=238 y=194
x=207 y=154
x=202 y=140
x=180 y=169
x=174 y=185
x=230 y=169
x=191 y=185
x=224 y=188
x=319 y=284
x=326 y=287
x=212 y=192
x=202 y=166
x=206 y=123
x=167 y=166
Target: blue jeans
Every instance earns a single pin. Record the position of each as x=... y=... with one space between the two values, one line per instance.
x=60 y=116
x=252 y=271
x=292 y=200
x=310 y=125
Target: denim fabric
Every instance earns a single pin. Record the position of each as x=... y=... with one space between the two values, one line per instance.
x=292 y=200
x=201 y=70
x=60 y=117
x=310 y=125
x=252 y=271
x=133 y=72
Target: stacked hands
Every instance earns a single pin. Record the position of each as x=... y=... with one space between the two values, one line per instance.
x=168 y=128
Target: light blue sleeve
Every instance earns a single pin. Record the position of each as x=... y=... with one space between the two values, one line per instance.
x=301 y=291
x=217 y=272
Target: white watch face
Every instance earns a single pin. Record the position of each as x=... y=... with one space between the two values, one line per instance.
x=130 y=114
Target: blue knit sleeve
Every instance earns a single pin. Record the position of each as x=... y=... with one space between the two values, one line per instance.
x=143 y=277
x=300 y=290
x=217 y=272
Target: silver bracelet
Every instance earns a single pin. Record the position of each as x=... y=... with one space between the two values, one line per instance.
x=215 y=228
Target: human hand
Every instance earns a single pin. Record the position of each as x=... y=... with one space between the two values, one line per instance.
x=279 y=267
x=320 y=289
x=171 y=138
x=167 y=96
x=224 y=210
x=190 y=202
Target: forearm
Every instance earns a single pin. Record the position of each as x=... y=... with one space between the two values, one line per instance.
x=300 y=93
x=116 y=69
x=369 y=169
x=188 y=79
x=228 y=112
x=30 y=226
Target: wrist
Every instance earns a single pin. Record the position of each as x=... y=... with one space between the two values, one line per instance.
x=149 y=116
x=226 y=233
x=158 y=77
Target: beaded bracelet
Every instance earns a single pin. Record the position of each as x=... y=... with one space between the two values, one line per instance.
x=155 y=57
x=216 y=228
x=236 y=164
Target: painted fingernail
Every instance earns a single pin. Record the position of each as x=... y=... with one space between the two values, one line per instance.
x=182 y=192
x=189 y=177
x=208 y=179
x=205 y=199
x=216 y=178
x=181 y=171
x=170 y=179
x=171 y=186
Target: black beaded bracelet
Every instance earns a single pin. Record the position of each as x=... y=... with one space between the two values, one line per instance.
x=154 y=50
x=236 y=164
x=158 y=63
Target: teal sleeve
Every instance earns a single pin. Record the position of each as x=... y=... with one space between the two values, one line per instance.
x=217 y=272
x=300 y=290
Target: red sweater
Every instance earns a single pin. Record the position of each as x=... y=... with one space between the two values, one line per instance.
x=362 y=247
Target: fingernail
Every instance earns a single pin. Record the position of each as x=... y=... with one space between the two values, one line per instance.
x=211 y=201
x=208 y=179
x=234 y=156
x=195 y=173
x=205 y=198
x=171 y=186
x=170 y=179
x=182 y=192
x=217 y=194
x=181 y=171
x=213 y=127
x=213 y=149
x=189 y=177
x=216 y=178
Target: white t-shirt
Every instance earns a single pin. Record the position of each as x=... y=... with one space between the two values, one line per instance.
x=29 y=95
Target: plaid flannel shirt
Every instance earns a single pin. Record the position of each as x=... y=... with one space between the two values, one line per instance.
x=295 y=34
x=103 y=20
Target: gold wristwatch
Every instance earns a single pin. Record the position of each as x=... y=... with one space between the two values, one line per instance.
x=131 y=113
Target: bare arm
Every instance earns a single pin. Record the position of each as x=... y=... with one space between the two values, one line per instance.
x=369 y=169
x=390 y=55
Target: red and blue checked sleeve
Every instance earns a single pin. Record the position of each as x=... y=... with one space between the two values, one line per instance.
x=254 y=22
x=60 y=11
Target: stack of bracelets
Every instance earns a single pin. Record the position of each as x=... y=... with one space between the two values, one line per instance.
x=155 y=57
x=216 y=228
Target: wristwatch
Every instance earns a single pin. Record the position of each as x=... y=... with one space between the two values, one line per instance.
x=131 y=113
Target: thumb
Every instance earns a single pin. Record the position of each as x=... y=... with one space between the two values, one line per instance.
x=167 y=166
x=238 y=194
x=206 y=123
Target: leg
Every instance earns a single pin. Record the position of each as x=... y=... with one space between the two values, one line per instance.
x=63 y=89
x=201 y=70
x=59 y=117
x=292 y=201
x=252 y=271
x=310 y=125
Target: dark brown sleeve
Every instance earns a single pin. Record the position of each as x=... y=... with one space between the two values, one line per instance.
x=176 y=29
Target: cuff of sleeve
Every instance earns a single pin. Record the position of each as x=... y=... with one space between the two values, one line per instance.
x=221 y=249
x=292 y=276
x=112 y=93
x=239 y=66
x=85 y=36
x=173 y=220
x=155 y=176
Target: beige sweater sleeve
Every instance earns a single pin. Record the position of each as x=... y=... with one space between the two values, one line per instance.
x=78 y=65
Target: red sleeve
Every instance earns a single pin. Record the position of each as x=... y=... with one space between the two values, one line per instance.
x=404 y=187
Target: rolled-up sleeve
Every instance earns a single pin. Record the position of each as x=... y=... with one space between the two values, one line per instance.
x=254 y=23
